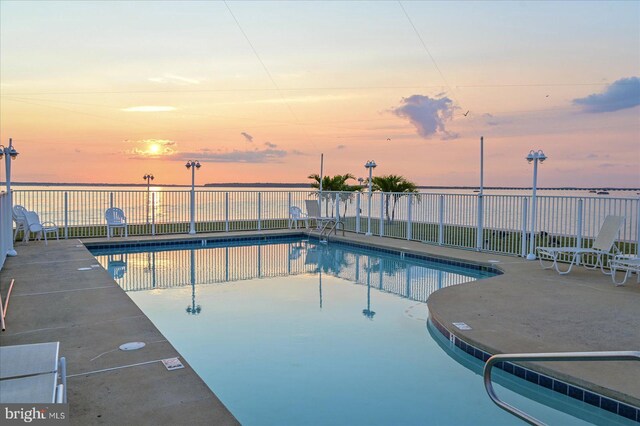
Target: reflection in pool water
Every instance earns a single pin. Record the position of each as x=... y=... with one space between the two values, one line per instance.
x=292 y=332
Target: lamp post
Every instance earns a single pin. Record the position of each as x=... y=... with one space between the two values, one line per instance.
x=9 y=153
x=370 y=165
x=148 y=177
x=534 y=156
x=193 y=165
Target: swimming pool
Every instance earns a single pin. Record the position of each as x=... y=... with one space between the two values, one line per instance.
x=291 y=331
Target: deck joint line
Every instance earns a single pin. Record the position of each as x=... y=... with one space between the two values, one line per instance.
x=63 y=291
x=104 y=370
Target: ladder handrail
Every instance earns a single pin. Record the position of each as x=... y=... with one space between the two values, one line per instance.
x=547 y=356
x=334 y=227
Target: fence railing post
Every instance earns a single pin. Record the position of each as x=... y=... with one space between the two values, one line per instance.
x=153 y=213
x=480 y=226
x=381 y=214
x=358 y=213
x=441 y=220
x=579 y=225
x=226 y=212
x=66 y=215
x=111 y=200
x=638 y=226
x=337 y=204
x=259 y=211
x=525 y=209
x=289 y=223
x=409 y=217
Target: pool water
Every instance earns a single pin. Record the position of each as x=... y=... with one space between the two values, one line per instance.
x=294 y=332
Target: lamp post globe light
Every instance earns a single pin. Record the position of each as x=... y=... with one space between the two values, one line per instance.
x=148 y=177
x=371 y=164
x=9 y=153
x=193 y=165
x=534 y=157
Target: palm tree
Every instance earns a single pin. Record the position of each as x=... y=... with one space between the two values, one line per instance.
x=337 y=183
x=395 y=186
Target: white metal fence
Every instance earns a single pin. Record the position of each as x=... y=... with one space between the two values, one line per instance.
x=6 y=229
x=495 y=223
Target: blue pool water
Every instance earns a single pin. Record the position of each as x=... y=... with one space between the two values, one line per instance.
x=293 y=332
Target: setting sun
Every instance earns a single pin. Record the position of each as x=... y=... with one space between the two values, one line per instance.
x=154 y=149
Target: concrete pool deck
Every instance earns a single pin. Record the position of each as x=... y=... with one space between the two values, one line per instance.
x=91 y=316
x=526 y=309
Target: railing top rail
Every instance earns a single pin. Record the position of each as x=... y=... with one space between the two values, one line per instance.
x=314 y=191
x=546 y=356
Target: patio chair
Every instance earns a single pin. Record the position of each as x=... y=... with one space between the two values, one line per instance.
x=313 y=212
x=33 y=374
x=602 y=246
x=34 y=226
x=626 y=264
x=295 y=215
x=20 y=219
x=115 y=219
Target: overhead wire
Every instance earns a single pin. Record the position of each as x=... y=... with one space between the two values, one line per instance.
x=297 y=89
x=264 y=66
x=424 y=45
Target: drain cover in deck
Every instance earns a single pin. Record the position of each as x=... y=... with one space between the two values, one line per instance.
x=132 y=346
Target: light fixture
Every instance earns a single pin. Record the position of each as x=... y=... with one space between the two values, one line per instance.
x=534 y=157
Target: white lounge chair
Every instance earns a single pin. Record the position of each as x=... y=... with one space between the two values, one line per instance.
x=313 y=212
x=34 y=226
x=33 y=374
x=115 y=219
x=602 y=246
x=20 y=219
x=626 y=264
x=295 y=215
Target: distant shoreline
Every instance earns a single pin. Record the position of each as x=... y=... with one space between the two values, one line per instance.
x=306 y=185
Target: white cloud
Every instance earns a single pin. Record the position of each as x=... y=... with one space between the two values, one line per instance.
x=149 y=108
x=268 y=155
x=152 y=148
x=174 y=79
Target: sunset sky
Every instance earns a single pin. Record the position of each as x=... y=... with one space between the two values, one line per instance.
x=108 y=91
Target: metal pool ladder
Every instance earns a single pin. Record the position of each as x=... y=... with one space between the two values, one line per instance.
x=549 y=356
x=331 y=225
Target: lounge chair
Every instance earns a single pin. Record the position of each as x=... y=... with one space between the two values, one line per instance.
x=626 y=264
x=313 y=212
x=41 y=229
x=20 y=219
x=33 y=374
x=602 y=246
x=115 y=219
x=295 y=215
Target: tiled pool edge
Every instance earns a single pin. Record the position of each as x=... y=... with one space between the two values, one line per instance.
x=576 y=392
x=410 y=254
x=267 y=237
x=187 y=241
